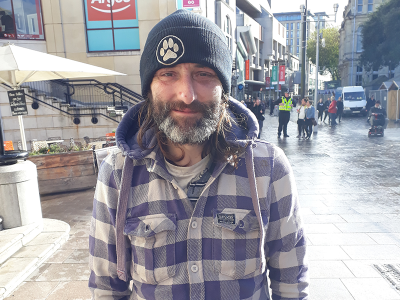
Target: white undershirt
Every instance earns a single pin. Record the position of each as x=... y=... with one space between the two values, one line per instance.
x=183 y=175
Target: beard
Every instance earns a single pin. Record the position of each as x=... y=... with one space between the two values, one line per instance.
x=187 y=130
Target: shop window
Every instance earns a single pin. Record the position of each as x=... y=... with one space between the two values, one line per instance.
x=21 y=19
x=112 y=27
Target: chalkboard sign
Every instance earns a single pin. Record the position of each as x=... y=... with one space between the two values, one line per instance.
x=17 y=102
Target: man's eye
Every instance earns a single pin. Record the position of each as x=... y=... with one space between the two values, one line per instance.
x=167 y=74
x=205 y=74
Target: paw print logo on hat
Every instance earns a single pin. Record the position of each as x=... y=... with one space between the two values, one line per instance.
x=169 y=50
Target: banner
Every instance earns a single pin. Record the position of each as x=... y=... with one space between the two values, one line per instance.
x=268 y=81
x=274 y=79
x=247 y=70
x=282 y=75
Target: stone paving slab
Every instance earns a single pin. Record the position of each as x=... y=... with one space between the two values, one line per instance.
x=29 y=258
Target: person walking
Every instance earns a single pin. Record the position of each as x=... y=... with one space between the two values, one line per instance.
x=301 y=111
x=326 y=112
x=340 y=109
x=332 y=111
x=192 y=205
x=285 y=106
x=258 y=110
x=320 y=109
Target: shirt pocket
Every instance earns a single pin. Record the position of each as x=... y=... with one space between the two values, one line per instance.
x=153 y=246
x=236 y=242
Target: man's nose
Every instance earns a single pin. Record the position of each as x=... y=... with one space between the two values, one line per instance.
x=186 y=90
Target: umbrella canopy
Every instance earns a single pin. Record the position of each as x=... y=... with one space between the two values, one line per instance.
x=29 y=65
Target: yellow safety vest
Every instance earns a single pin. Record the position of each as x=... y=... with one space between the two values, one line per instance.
x=286 y=104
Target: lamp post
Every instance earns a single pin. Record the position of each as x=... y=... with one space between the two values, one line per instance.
x=303 y=9
x=335 y=8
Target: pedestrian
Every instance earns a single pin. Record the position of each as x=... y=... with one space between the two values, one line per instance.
x=320 y=108
x=310 y=119
x=285 y=106
x=191 y=205
x=258 y=110
x=301 y=111
x=326 y=112
x=370 y=103
x=340 y=109
x=332 y=111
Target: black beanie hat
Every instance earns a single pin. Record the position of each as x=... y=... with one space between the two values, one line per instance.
x=185 y=37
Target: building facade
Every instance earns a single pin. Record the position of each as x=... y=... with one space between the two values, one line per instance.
x=352 y=74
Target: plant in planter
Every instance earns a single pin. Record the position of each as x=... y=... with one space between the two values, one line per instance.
x=64 y=168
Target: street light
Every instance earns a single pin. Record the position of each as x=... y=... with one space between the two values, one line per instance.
x=303 y=9
x=335 y=8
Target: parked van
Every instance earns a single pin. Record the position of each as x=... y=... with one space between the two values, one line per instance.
x=354 y=100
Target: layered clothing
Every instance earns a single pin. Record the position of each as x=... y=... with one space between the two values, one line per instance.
x=145 y=230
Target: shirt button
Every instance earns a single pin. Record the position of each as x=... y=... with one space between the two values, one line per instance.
x=194 y=268
x=194 y=224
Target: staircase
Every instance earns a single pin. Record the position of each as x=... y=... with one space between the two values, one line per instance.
x=84 y=97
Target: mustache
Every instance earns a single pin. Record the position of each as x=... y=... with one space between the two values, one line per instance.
x=195 y=106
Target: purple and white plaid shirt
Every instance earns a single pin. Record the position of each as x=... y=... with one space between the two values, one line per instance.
x=208 y=252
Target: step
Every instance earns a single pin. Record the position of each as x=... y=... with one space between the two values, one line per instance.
x=33 y=252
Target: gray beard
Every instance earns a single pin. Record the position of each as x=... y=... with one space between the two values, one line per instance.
x=187 y=131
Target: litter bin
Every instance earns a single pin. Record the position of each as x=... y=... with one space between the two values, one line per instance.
x=19 y=195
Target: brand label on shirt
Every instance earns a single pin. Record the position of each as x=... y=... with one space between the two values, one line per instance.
x=226 y=219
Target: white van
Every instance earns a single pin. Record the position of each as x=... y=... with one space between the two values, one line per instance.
x=354 y=100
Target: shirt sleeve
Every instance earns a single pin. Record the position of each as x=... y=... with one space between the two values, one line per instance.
x=285 y=239
x=104 y=283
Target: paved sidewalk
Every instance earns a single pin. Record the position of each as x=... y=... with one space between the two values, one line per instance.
x=349 y=190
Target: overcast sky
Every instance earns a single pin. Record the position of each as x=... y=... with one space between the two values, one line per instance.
x=313 y=6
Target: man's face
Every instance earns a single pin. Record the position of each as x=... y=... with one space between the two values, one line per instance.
x=258 y=101
x=187 y=103
x=286 y=95
x=303 y=102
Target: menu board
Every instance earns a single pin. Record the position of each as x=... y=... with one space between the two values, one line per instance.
x=17 y=102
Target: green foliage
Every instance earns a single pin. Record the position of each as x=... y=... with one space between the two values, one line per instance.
x=57 y=148
x=380 y=34
x=328 y=56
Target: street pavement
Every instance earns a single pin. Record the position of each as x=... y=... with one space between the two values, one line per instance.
x=349 y=191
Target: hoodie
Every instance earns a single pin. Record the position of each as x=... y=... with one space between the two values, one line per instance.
x=144 y=229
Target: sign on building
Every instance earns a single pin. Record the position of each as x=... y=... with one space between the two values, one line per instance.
x=247 y=74
x=282 y=75
x=17 y=103
x=102 y=10
x=268 y=81
x=187 y=4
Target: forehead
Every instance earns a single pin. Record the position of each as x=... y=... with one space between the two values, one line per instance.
x=187 y=66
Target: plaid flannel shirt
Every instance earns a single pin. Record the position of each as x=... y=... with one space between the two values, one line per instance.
x=209 y=252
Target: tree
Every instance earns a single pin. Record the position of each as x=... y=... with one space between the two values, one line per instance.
x=328 y=55
x=380 y=40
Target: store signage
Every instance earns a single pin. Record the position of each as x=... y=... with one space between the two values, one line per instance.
x=17 y=102
x=274 y=79
x=247 y=70
x=282 y=75
x=268 y=81
x=100 y=10
x=191 y=3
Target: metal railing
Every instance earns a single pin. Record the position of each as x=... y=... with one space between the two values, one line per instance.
x=84 y=96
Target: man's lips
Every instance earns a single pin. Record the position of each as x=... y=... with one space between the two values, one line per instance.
x=185 y=111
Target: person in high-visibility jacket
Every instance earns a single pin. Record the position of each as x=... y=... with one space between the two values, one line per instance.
x=285 y=106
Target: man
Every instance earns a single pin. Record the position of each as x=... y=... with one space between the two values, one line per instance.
x=332 y=111
x=191 y=206
x=370 y=103
x=285 y=106
x=258 y=110
x=377 y=109
x=340 y=109
x=310 y=116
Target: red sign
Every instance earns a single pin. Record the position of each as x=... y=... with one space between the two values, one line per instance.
x=247 y=75
x=268 y=81
x=191 y=3
x=100 y=10
x=281 y=74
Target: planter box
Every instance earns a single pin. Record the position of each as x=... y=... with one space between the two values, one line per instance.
x=65 y=172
